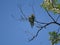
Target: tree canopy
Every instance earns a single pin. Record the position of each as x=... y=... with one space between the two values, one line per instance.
x=51 y=5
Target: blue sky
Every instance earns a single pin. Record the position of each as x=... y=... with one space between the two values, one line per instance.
x=13 y=32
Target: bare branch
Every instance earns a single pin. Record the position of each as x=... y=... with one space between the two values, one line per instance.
x=42 y=28
x=58 y=18
x=35 y=35
x=18 y=19
x=33 y=10
x=58 y=30
x=29 y=33
x=22 y=12
x=50 y=15
x=40 y=22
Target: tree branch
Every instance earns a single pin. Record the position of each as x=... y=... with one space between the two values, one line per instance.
x=40 y=22
x=50 y=15
x=58 y=18
x=33 y=10
x=42 y=28
x=22 y=12
x=58 y=30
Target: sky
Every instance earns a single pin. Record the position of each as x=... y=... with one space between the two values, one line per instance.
x=16 y=32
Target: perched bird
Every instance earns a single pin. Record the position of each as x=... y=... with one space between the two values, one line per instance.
x=31 y=20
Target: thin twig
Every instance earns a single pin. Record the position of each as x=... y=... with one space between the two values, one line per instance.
x=35 y=35
x=33 y=10
x=50 y=15
x=22 y=12
x=40 y=22
x=58 y=18
x=29 y=33
x=58 y=30
x=40 y=30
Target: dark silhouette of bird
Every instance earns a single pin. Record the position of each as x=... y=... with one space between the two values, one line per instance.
x=31 y=20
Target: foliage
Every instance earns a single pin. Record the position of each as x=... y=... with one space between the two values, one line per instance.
x=51 y=5
x=54 y=37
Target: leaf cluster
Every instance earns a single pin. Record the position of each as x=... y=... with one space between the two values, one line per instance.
x=51 y=5
x=54 y=37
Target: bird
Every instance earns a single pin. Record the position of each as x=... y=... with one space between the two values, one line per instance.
x=31 y=20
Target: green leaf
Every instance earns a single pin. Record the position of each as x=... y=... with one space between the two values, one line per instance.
x=58 y=6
